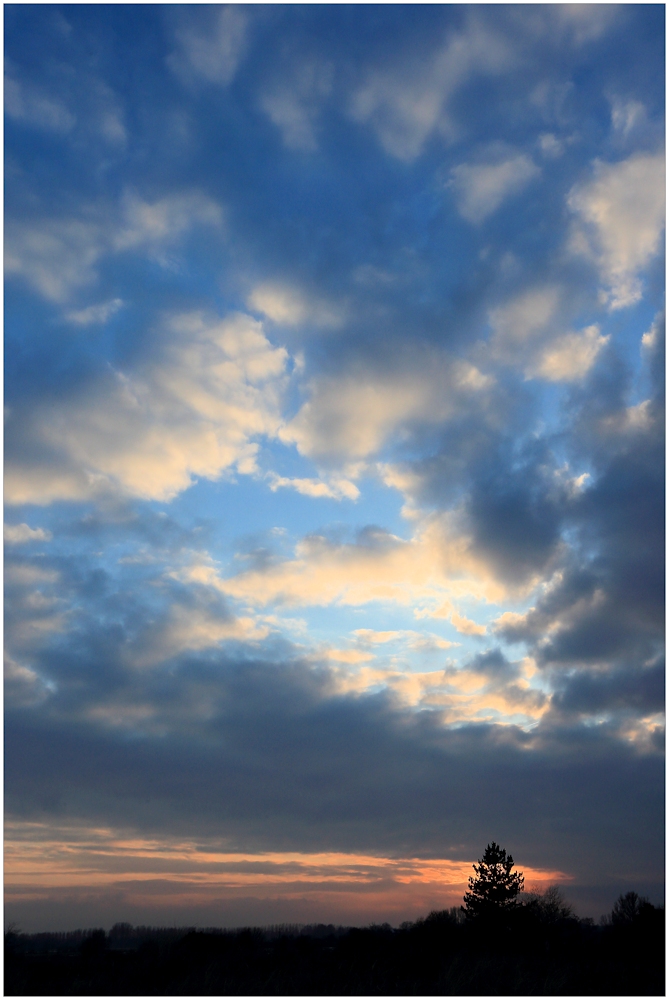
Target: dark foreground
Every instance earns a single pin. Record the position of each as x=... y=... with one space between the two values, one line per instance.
x=531 y=953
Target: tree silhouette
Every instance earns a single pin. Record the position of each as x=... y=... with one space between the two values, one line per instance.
x=628 y=909
x=495 y=887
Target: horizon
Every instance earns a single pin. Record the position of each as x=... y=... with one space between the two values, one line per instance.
x=334 y=458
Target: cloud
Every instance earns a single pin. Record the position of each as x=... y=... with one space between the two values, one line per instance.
x=651 y=338
x=585 y=22
x=287 y=306
x=463 y=625
x=267 y=730
x=17 y=534
x=154 y=225
x=352 y=416
x=135 y=877
x=30 y=105
x=490 y=688
x=57 y=257
x=621 y=219
x=193 y=411
x=23 y=687
x=408 y=103
x=480 y=188
x=192 y=625
x=633 y=690
x=437 y=562
x=348 y=655
x=627 y=115
x=422 y=641
x=293 y=103
x=603 y=610
x=564 y=26
x=550 y=145
x=71 y=103
x=336 y=489
x=94 y=314
x=527 y=333
x=210 y=44
x=35 y=610
x=515 y=517
x=524 y=317
x=571 y=356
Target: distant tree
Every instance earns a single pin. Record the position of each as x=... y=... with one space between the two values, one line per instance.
x=548 y=906
x=629 y=908
x=495 y=887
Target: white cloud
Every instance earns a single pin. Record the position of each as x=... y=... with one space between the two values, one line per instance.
x=29 y=104
x=94 y=314
x=460 y=694
x=336 y=489
x=366 y=635
x=524 y=318
x=527 y=333
x=34 y=609
x=405 y=104
x=480 y=188
x=155 y=224
x=463 y=625
x=188 y=627
x=59 y=256
x=585 y=22
x=351 y=416
x=550 y=146
x=569 y=357
x=98 y=114
x=16 y=534
x=650 y=337
x=55 y=257
x=193 y=412
x=626 y=115
x=631 y=420
x=621 y=219
x=422 y=641
x=23 y=687
x=437 y=564
x=348 y=655
x=211 y=47
x=293 y=104
x=288 y=306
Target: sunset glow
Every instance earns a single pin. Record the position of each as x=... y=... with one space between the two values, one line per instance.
x=146 y=875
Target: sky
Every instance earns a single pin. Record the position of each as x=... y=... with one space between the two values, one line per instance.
x=334 y=458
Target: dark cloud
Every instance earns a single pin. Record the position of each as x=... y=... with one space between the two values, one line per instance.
x=631 y=690
x=516 y=518
x=260 y=749
x=279 y=760
x=494 y=664
x=609 y=601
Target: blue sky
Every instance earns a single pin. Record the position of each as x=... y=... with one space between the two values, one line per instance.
x=333 y=456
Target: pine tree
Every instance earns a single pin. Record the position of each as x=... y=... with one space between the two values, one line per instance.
x=495 y=887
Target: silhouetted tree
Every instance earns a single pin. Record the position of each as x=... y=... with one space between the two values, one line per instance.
x=629 y=908
x=549 y=906
x=495 y=887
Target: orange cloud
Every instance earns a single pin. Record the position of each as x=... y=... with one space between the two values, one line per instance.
x=47 y=863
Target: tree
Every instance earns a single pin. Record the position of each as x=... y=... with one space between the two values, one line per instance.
x=495 y=887
x=628 y=909
x=549 y=906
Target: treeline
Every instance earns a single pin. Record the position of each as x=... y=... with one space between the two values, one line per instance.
x=536 y=948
